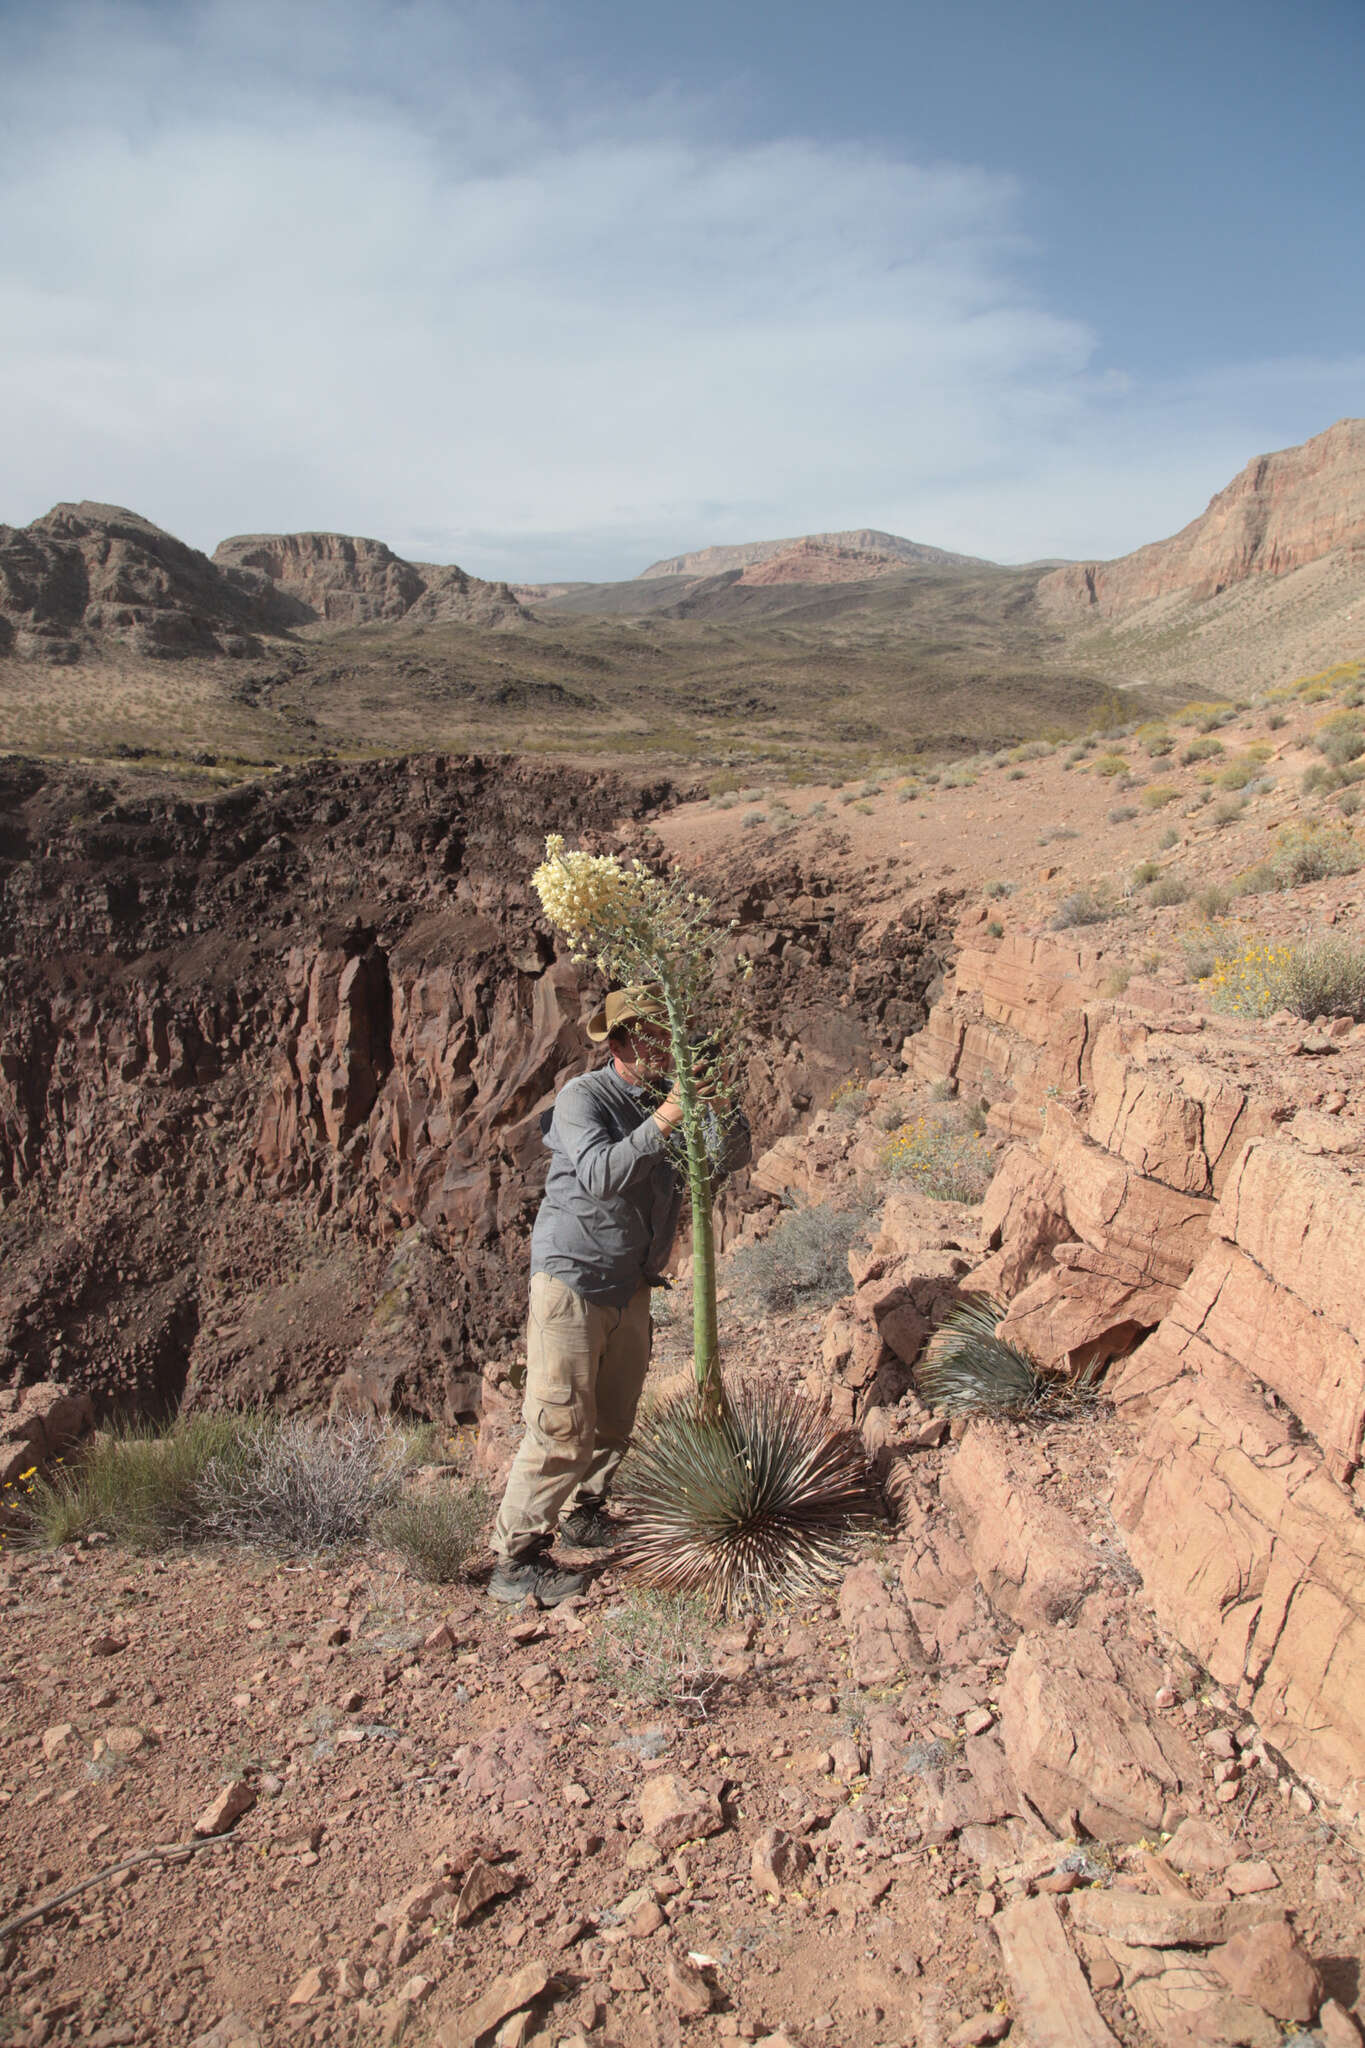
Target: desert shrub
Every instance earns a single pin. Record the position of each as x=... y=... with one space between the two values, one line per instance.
x=995 y=889
x=1237 y=774
x=1154 y=740
x=803 y=1261
x=1169 y=890
x=930 y=775
x=1032 y=750
x=995 y=930
x=1121 y=813
x=1083 y=906
x=1111 y=764
x=1057 y=832
x=1277 y=721
x=1317 y=776
x=1169 y=838
x=436 y=1529
x=1146 y=871
x=864 y=807
x=1349 y=802
x=1324 y=976
x=1159 y=794
x=652 y=1648
x=1206 y=717
x=141 y=1485
x=752 y=818
x=726 y=800
x=1226 y=811
x=1309 y=853
x=907 y=796
x=1341 y=738
x=849 y=1099
x=946 y=1162
x=1212 y=902
x=1017 y=775
x=310 y=1486
x=1200 y=952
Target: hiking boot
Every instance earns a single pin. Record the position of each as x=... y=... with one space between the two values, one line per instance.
x=537 y=1574
x=590 y=1528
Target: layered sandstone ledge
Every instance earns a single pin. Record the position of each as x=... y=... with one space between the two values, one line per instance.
x=1185 y=1196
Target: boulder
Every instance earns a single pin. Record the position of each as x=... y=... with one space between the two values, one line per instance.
x=37 y=1423
x=673 y=1812
x=1267 y=1964
x=1031 y=1559
x=882 y=1645
x=1078 y=1743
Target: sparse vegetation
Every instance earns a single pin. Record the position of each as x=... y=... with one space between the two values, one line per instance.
x=946 y=1162
x=652 y=1648
x=1171 y=889
x=277 y=1483
x=1084 y=906
x=1325 y=976
x=1158 y=794
x=437 y=1529
x=803 y=1260
x=1121 y=813
x=1304 y=853
x=968 y=1369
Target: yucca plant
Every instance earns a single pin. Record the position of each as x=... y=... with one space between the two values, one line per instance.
x=738 y=1497
x=762 y=1497
x=968 y=1370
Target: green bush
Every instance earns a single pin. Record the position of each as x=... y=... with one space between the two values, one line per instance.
x=1237 y=774
x=1159 y=794
x=1146 y=871
x=1169 y=890
x=1111 y=764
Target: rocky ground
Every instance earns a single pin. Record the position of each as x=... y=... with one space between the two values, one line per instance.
x=980 y=1791
x=849 y=1823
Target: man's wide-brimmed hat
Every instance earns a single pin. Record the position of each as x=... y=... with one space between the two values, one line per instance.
x=643 y=1004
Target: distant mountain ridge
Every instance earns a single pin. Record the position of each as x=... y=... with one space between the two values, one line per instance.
x=1281 y=513
x=862 y=548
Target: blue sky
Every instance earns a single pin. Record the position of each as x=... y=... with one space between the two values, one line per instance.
x=552 y=290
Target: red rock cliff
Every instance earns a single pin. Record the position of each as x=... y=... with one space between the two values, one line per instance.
x=1282 y=512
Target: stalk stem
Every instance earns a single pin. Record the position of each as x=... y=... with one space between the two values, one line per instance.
x=705 y=1330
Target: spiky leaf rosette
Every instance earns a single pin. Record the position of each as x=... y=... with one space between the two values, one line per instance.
x=968 y=1370
x=743 y=1506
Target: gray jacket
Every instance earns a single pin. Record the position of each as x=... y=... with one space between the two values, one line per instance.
x=613 y=1193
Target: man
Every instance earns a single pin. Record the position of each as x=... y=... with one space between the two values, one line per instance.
x=602 y=1235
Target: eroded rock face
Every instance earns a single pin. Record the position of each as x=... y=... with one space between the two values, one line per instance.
x=1170 y=1208
x=84 y=573
x=1281 y=512
x=349 y=580
x=252 y=1043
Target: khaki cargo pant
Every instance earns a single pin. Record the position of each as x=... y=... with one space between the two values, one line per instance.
x=585 y=1367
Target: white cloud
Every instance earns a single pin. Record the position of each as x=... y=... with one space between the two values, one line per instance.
x=314 y=266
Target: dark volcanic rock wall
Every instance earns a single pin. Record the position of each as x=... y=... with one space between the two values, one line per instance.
x=248 y=1043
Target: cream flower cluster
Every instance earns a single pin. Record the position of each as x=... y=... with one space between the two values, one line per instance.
x=584 y=894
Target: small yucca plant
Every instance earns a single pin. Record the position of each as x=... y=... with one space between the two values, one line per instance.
x=760 y=1499
x=968 y=1370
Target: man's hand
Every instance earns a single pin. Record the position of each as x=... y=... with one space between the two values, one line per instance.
x=669 y=1114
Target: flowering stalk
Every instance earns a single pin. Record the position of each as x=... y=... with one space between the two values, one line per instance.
x=641 y=927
